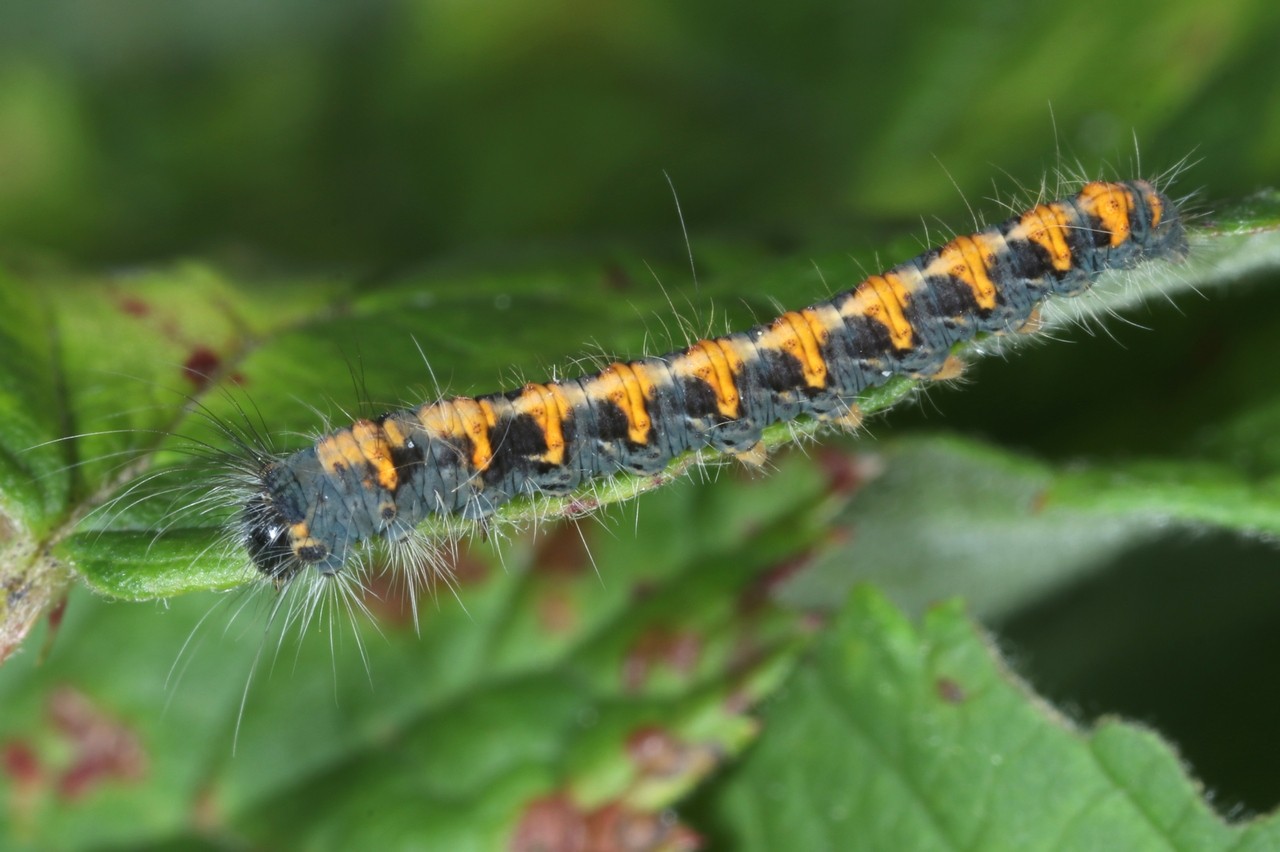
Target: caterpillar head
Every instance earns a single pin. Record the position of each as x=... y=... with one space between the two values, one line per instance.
x=278 y=519
x=266 y=536
x=1157 y=227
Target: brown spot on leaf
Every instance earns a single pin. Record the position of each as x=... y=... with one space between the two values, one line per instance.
x=201 y=366
x=811 y=621
x=561 y=557
x=660 y=755
x=617 y=828
x=950 y=690
x=21 y=763
x=643 y=590
x=57 y=612
x=103 y=748
x=563 y=552
x=848 y=472
x=636 y=666
x=467 y=570
x=678 y=650
x=738 y=702
x=617 y=279
x=391 y=596
x=557 y=824
x=839 y=535
x=551 y=824
x=206 y=816
x=760 y=590
x=386 y=598
x=581 y=507
x=557 y=610
x=134 y=307
x=655 y=752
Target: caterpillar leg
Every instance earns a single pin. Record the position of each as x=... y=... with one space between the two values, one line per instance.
x=1034 y=323
x=846 y=420
x=754 y=456
x=952 y=368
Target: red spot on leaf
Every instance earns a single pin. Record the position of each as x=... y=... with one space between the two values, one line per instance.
x=759 y=591
x=392 y=596
x=557 y=610
x=551 y=823
x=563 y=552
x=57 y=612
x=659 y=754
x=738 y=702
x=950 y=690
x=848 y=472
x=387 y=600
x=654 y=751
x=134 y=307
x=684 y=651
x=581 y=507
x=201 y=366
x=839 y=535
x=812 y=621
x=643 y=590
x=21 y=763
x=635 y=668
x=103 y=748
x=556 y=824
x=467 y=570
x=617 y=279
x=617 y=828
x=205 y=813
x=678 y=650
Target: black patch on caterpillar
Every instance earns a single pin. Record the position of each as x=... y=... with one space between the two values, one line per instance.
x=815 y=362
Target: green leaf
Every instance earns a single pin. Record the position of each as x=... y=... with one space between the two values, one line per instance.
x=893 y=737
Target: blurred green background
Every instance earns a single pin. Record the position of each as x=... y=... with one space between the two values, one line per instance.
x=374 y=133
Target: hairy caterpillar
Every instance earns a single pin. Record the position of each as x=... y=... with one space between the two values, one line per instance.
x=464 y=457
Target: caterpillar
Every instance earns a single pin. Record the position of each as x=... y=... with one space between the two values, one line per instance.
x=464 y=457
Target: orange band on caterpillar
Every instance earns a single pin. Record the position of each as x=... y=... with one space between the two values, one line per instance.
x=467 y=456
